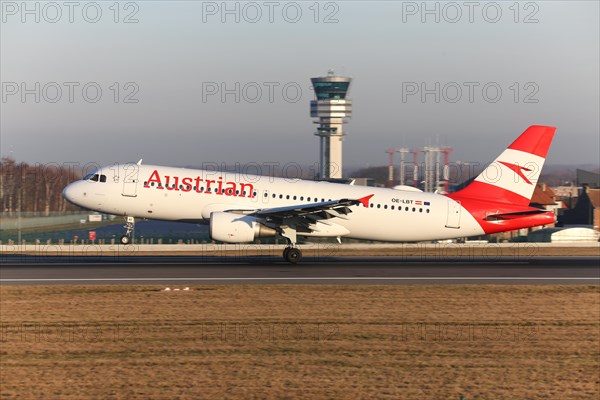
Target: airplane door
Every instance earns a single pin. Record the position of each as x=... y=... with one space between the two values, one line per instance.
x=453 y=217
x=130 y=180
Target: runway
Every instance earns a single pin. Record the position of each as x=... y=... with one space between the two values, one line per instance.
x=18 y=270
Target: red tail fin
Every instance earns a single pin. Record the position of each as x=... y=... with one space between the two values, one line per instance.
x=512 y=177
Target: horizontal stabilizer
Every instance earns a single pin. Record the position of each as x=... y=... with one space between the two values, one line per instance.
x=514 y=215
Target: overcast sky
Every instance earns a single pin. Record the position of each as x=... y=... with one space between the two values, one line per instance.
x=162 y=66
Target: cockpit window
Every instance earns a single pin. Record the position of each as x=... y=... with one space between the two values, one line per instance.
x=95 y=178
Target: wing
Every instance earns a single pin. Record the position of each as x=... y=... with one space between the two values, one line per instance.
x=303 y=217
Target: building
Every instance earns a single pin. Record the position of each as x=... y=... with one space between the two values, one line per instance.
x=568 y=195
x=585 y=212
x=331 y=109
x=564 y=235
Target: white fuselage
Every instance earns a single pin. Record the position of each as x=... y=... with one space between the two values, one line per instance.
x=179 y=194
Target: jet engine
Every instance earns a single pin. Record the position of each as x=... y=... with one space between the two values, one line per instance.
x=237 y=228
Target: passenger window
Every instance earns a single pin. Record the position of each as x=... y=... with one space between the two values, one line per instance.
x=103 y=178
x=392 y=207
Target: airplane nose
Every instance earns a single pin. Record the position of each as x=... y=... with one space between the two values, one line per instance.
x=66 y=194
x=69 y=193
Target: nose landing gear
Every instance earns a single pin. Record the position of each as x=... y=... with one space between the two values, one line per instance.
x=129 y=226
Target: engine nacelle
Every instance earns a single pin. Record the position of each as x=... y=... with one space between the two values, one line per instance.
x=237 y=228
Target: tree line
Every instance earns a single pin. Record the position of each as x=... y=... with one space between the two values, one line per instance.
x=35 y=188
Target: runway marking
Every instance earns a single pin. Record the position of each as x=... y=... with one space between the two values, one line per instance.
x=375 y=278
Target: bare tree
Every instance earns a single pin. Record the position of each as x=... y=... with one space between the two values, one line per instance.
x=34 y=188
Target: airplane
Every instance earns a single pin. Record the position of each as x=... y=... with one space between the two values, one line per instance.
x=240 y=208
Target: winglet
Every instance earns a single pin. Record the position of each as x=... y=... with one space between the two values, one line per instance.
x=365 y=200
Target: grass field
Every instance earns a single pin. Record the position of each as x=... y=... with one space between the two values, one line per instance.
x=309 y=342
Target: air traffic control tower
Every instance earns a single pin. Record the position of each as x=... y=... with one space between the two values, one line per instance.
x=331 y=110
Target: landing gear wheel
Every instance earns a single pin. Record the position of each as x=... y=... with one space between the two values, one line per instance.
x=292 y=255
x=129 y=226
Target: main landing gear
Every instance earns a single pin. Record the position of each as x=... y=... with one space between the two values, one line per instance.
x=129 y=225
x=291 y=253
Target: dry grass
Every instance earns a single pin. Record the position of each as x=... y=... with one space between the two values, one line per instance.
x=319 y=341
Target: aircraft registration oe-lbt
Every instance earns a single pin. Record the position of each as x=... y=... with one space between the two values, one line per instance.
x=240 y=208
